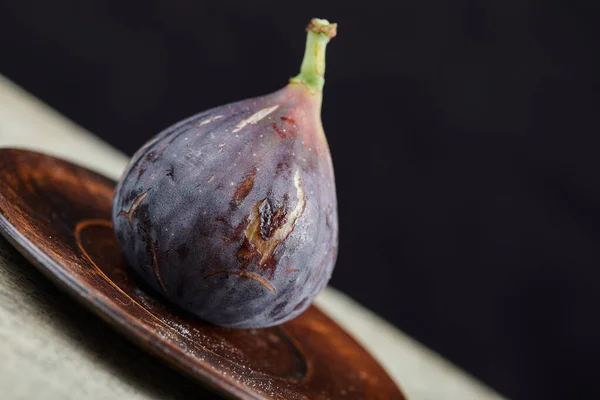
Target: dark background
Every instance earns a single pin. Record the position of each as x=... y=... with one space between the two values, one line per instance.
x=464 y=136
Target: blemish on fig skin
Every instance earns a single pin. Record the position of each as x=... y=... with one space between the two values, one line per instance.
x=245 y=254
x=245 y=274
x=239 y=229
x=279 y=131
x=271 y=221
x=281 y=167
x=141 y=172
x=288 y=120
x=272 y=266
x=224 y=240
x=155 y=267
x=292 y=122
x=259 y=233
x=243 y=189
x=136 y=203
x=170 y=173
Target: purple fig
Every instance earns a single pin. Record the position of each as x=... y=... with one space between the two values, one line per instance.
x=232 y=213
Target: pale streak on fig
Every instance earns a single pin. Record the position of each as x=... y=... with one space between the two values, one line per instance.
x=245 y=274
x=209 y=120
x=133 y=208
x=266 y=248
x=254 y=118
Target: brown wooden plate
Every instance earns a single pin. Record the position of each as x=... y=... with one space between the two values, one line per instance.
x=58 y=215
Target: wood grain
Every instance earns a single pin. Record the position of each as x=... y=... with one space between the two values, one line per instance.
x=58 y=215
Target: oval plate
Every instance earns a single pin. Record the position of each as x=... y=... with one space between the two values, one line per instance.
x=57 y=214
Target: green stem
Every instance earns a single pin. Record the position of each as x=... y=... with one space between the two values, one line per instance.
x=312 y=71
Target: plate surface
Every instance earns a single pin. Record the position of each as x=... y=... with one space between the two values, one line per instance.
x=58 y=215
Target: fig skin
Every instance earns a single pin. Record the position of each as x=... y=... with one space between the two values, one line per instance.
x=232 y=213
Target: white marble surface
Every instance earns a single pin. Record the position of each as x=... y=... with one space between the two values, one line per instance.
x=45 y=356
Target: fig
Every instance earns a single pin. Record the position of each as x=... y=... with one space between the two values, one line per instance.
x=231 y=214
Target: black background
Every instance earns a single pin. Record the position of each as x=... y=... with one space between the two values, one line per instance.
x=464 y=136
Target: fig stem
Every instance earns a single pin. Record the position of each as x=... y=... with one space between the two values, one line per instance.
x=312 y=71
